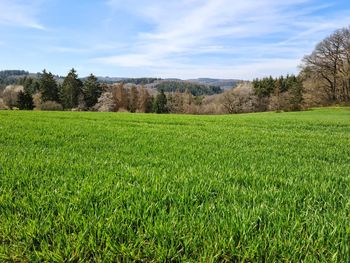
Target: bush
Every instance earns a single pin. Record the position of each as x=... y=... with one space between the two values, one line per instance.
x=105 y=103
x=10 y=95
x=2 y=105
x=37 y=101
x=51 y=106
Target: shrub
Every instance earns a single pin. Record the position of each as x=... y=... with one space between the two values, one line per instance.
x=37 y=101
x=10 y=95
x=105 y=103
x=2 y=105
x=51 y=106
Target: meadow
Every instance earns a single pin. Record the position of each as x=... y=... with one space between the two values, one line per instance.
x=109 y=187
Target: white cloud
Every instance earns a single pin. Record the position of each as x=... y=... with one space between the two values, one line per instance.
x=247 y=71
x=184 y=30
x=19 y=13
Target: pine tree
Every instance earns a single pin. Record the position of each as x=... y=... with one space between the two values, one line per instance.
x=296 y=94
x=277 y=93
x=48 y=87
x=25 y=101
x=30 y=84
x=71 y=90
x=92 y=90
x=160 y=103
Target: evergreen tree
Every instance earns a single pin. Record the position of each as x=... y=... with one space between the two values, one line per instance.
x=296 y=94
x=160 y=103
x=277 y=92
x=31 y=85
x=92 y=90
x=25 y=101
x=71 y=90
x=48 y=87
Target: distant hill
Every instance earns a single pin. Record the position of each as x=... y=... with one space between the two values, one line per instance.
x=200 y=86
x=195 y=89
x=13 y=73
x=108 y=80
x=8 y=77
x=222 y=83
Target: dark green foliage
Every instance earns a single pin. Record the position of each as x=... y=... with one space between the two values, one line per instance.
x=296 y=94
x=92 y=90
x=289 y=86
x=70 y=90
x=160 y=103
x=140 y=81
x=31 y=85
x=48 y=87
x=25 y=100
x=149 y=104
x=183 y=86
x=264 y=87
x=198 y=100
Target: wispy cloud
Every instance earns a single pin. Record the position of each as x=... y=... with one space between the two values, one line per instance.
x=20 y=13
x=183 y=30
x=247 y=71
x=173 y=38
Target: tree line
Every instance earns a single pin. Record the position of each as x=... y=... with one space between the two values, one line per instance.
x=283 y=93
x=324 y=79
x=45 y=93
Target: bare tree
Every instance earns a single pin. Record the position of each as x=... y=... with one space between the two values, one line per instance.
x=105 y=103
x=329 y=64
x=239 y=100
x=120 y=96
x=144 y=101
x=133 y=99
x=176 y=102
x=10 y=95
x=344 y=69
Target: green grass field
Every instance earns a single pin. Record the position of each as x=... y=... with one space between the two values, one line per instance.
x=107 y=187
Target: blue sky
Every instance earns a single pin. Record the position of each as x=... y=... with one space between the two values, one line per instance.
x=165 y=38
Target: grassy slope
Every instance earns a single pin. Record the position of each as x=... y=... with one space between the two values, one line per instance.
x=105 y=186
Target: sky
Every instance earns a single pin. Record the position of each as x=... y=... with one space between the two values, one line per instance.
x=165 y=38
